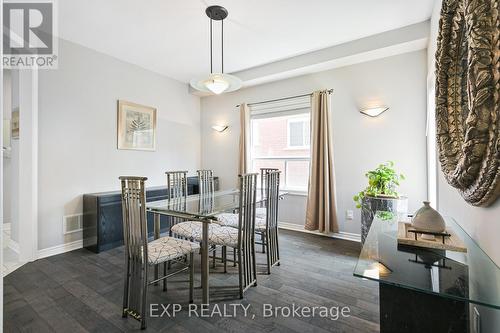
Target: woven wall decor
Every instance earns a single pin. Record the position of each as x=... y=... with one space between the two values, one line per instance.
x=468 y=98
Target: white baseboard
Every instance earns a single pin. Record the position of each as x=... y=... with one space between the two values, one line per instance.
x=58 y=249
x=341 y=235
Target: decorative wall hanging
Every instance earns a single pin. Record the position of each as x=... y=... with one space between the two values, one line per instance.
x=15 y=123
x=468 y=98
x=136 y=126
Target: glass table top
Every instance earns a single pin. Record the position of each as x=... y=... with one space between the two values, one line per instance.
x=472 y=277
x=202 y=206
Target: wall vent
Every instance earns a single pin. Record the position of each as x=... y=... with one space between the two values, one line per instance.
x=72 y=223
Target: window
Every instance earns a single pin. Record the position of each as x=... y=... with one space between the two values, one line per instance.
x=282 y=140
x=298 y=133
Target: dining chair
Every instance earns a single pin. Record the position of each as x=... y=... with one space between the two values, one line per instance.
x=269 y=232
x=260 y=212
x=140 y=254
x=192 y=229
x=205 y=181
x=176 y=184
x=266 y=227
x=240 y=238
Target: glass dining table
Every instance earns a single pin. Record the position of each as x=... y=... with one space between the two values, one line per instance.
x=203 y=208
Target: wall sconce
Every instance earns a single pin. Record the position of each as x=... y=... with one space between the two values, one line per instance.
x=374 y=111
x=220 y=128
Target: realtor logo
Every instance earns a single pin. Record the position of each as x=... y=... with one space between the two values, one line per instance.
x=29 y=34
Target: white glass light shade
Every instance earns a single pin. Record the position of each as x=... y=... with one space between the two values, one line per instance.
x=375 y=111
x=217 y=83
x=219 y=128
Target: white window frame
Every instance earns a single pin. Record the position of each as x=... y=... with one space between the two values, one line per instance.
x=306 y=121
x=289 y=106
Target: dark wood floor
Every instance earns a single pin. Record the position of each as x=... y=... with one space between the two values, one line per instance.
x=81 y=291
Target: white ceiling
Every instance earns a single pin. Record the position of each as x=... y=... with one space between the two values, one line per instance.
x=171 y=37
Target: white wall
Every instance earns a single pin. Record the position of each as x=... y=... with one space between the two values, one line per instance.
x=360 y=143
x=7 y=177
x=77 y=132
x=11 y=165
x=482 y=224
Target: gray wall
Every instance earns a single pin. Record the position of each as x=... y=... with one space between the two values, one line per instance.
x=360 y=142
x=77 y=132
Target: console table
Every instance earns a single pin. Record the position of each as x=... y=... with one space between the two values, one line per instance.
x=424 y=290
x=102 y=215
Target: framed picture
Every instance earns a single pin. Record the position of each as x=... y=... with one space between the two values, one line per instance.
x=15 y=123
x=136 y=126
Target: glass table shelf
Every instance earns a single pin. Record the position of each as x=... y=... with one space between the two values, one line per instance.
x=471 y=277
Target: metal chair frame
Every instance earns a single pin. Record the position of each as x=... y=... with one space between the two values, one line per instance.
x=269 y=237
x=263 y=183
x=136 y=251
x=247 y=268
x=244 y=253
x=205 y=181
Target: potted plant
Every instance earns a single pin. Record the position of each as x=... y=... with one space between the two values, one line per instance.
x=379 y=196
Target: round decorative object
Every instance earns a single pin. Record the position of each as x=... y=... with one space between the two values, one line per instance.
x=468 y=98
x=216 y=13
x=428 y=219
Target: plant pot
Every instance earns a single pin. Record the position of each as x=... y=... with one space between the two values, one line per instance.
x=396 y=207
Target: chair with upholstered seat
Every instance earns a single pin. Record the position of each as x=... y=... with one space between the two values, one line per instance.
x=176 y=185
x=269 y=232
x=242 y=238
x=141 y=254
x=191 y=229
x=266 y=227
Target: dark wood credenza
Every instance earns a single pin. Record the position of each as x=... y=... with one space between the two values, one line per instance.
x=102 y=216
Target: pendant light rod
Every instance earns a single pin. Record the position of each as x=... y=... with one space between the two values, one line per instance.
x=217 y=13
x=217 y=82
x=222 y=43
x=211 y=62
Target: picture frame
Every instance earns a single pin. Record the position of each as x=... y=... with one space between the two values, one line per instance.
x=136 y=126
x=15 y=123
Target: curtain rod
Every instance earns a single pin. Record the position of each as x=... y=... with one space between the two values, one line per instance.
x=282 y=99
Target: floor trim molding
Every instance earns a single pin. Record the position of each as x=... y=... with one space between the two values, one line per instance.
x=63 y=248
x=59 y=249
x=340 y=235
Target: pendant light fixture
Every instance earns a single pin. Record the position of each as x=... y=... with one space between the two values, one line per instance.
x=217 y=83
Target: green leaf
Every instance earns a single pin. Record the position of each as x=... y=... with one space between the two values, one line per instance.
x=383 y=180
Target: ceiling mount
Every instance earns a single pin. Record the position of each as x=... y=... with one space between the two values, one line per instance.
x=216 y=13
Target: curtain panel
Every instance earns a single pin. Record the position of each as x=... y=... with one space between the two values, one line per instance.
x=244 y=138
x=321 y=211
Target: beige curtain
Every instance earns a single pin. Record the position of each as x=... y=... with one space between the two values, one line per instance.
x=244 y=138
x=321 y=211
